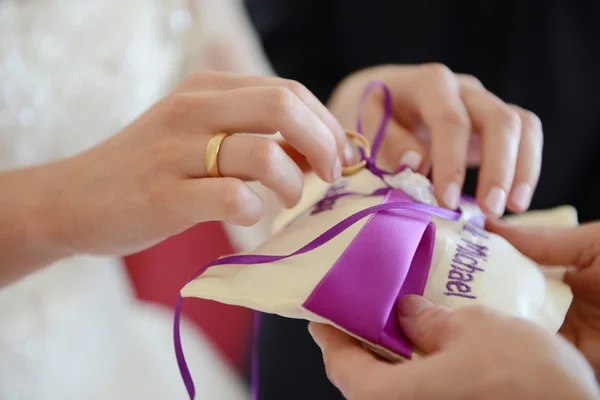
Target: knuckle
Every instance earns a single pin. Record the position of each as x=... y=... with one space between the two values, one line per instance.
x=509 y=120
x=456 y=119
x=298 y=89
x=438 y=71
x=333 y=368
x=201 y=78
x=531 y=121
x=471 y=80
x=330 y=368
x=266 y=156
x=233 y=197
x=157 y=193
x=174 y=107
x=283 y=104
x=163 y=151
x=179 y=107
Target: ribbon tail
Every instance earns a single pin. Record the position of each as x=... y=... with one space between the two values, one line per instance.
x=387 y=113
x=183 y=367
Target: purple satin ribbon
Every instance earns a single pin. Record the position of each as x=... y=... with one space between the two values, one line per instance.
x=251 y=259
x=325 y=237
x=379 y=136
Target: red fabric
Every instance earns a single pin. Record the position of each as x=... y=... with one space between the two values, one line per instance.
x=160 y=272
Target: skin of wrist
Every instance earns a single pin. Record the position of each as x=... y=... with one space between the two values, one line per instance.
x=32 y=215
x=52 y=211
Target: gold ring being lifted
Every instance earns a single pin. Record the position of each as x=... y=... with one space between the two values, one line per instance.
x=212 y=154
x=361 y=141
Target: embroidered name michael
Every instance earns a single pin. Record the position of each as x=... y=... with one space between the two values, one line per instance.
x=466 y=263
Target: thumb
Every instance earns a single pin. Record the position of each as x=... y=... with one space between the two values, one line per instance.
x=423 y=323
x=578 y=246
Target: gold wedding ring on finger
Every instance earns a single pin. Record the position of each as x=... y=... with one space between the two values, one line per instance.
x=212 y=154
x=362 y=142
x=214 y=145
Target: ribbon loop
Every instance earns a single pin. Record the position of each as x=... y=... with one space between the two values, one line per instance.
x=387 y=114
x=370 y=156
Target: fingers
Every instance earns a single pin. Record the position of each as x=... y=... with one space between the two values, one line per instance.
x=442 y=111
x=469 y=81
x=451 y=106
x=529 y=161
x=249 y=158
x=219 y=81
x=423 y=323
x=431 y=94
x=260 y=159
x=500 y=129
x=399 y=147
x=511 y=153
x=359 y=375
x=223 y=199
x=578 y=246
x=432 y=328
x=272 y=109
x=345 y=151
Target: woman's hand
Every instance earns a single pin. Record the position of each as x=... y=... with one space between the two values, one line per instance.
x=449 y=121
x=149 y=181
x=579 y=249
x=472 y=353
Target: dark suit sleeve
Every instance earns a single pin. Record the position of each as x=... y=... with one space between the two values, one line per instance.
x=299 y=37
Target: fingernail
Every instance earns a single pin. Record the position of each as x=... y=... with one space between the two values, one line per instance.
x=411 y=305
x=336 y=173
x=496 y=201
x=522 y=196
x=349 y=154
x=411 y=159
x=452 y=196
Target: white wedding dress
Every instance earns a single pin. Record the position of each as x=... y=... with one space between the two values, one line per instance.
x=71 y=73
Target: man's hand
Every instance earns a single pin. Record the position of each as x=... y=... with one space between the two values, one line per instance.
x=472 y=353
x=450 y=121
x=579 y=249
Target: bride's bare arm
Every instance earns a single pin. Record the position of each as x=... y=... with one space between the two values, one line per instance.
x=151 y=180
